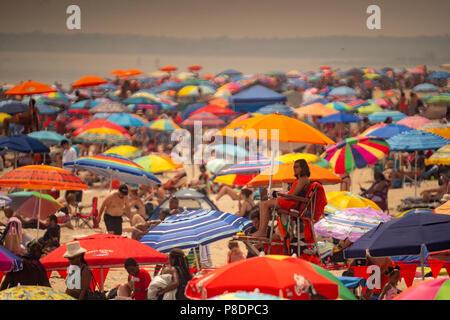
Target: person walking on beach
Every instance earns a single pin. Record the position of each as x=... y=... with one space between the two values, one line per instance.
x=114 y=207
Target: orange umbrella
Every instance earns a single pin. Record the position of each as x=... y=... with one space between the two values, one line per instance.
x=195 y=67
x=316 y=109
x=288 y=129
x=208 y=76
x=325 y=68
x=129 y=73
x=169 y=68
x=30 y=87
x=219 y=102
x=116 y=72
x=41 y=177
x=285 y=174
x=89 y=81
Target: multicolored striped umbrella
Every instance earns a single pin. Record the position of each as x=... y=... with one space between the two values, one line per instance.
x=163 y=125
x=33 y=293
x=251 y=165
x=110 y=107
x=440 y=157
x=125 y=151
x=193 y=91
x=339 y=106
x=103 y=136
x=96 y=123
x=29 y=204
x=436 y=289
x=440 y=129
x=385 y=131
x=413 y=211
x=340 y=200
x=9 y=261
x=114 y=167
x=156 y=163
x=350 y=223
x=357 y=152
x=194 y=228
x=205 y=119
x=246 y=296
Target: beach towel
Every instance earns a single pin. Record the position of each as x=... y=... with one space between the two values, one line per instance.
x=321 y=202
x=160 y=282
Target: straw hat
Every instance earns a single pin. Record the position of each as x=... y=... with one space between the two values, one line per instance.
x=74 y=249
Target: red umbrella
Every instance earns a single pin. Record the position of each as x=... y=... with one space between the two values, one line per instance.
x=88 y=81
x=129 y=73
x=276 y=275
x=169 y=68
x=206 y=119
x=99 y=123
x=77 y=123
x=215 y=110
x=116 y=72
x=195 y=67
x=104 y=251
x=29 y=88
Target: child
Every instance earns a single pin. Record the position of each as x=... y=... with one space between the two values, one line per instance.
x=51 y=238
x=390 y=290
x=235 y=253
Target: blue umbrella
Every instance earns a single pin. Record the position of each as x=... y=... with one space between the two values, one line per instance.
x=194 y=228
x=339 y=118
x=191 y=109
x=101 y=115
x=138 y=100
x=48 y=136
x=85 y=104
x=108 y=86
x=228 y=149
x=416 y=140
x=425 y=87
x=439 y=75
x=388 y=131
x=381 y=116
x=404 y=236
x=12 y=107
x=343 y=91
x=298 y=83
x=23 y=143
x=319 y=100
x=276 y=108
x=126 y=120
x=9 y=261
x=46 y=110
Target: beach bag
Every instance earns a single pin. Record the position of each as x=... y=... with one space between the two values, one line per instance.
x=12 y=237
x=96 y=294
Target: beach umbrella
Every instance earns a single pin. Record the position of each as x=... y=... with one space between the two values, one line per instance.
x=277 y=108
x=169 y=68
x=298 y=83
x=440 y=157
x=103 y=136
x=415 y=140
x=129 y=73
x=97 y=123
x=84 y=104
x=89 y=81
x=437 y=75
x=47 y=110
x=383 y=103
x=381 y=116
x=350 y=223
x=125 y=151
x=4 y=200
x=284 y=173
x=22 y=143
x=12 y=107
x=339 y=106
x=156 y=163
x=76 y=123
x=33 y=293
x=114 y=167
x=30 y=203
x=138 y=100
x=190 y=109
x=194 y=91
x=436 y=289
x=55 y=95
x=369 y=109
x=414 y=122
x=439 y=99
x=316 y=109
x=287 y=130
x=195 y=228
x=110 y=107
x=343 y=91
x=385 y=131
x=413 y=211
x=29 y=88
x=4 y=116
x=215 y=165
x=285 y=276
x=308 y=157
x=126 y=120
x=443 y=209
x=245 y=116
x=241 y=295
x=116 y=72
x=215 y=110
x=195 y=67
x=425 y=87
x=251 y=165
x=339 y=118
x=204 y=119
x=234 y=179
x=231 y=150
x=357 y=152
x=163 y=125
x=48 y=137
x=440 y=129
x=9 y=261
x=108 y=86
x=339 y=200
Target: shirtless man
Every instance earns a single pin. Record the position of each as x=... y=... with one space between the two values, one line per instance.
x=114 y=206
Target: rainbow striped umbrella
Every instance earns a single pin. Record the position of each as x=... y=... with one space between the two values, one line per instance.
x=339 y=106
x=156 y=163
x=357 y=152
x=193 y=91
x=339 y=200
x=436 y=289
x=440 y=157
x=251 y=165
x=104 y=136
x=163 y=125
x=125 y=151
x=114 y=167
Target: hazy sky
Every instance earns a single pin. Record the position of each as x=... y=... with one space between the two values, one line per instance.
x=232 y=18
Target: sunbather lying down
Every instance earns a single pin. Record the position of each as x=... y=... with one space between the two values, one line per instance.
x=436 y=194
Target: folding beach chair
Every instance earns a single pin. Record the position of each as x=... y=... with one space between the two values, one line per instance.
x=84 y=218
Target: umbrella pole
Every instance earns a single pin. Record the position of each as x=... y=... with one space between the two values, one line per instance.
x=101 y=278
x=271 y=174
x=421 y=262
x=197 y=258
x=415 y=175
x=39 y=214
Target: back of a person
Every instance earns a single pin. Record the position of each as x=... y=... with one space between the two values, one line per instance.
x=32 y=274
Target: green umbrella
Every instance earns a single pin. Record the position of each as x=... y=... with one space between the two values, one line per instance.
x=344 y=293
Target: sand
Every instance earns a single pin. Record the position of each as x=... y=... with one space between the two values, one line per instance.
x=218 y=249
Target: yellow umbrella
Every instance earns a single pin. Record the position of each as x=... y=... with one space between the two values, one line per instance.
x=125 y=151
x=4 y=116
x=316 y=109
x=156 y=163
x=33 y=293
x=442 y=130
x=308 y=157
x=440 y=157
x=338 y=200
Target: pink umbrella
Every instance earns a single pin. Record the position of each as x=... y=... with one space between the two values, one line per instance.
x=383 y=102
x=414 y=122
x=437 y=289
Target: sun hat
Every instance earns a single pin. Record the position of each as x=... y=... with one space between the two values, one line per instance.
x=73 y=249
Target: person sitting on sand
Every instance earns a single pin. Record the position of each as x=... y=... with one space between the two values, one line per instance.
x=233 y=193
x=179 y=269
x=378 y=191
x=50 y=239
x=65 y=213
x=285 y=201
x=137 y=204
x=174 y=206
x=138 y=281
x=235 y=253
x=114 y=207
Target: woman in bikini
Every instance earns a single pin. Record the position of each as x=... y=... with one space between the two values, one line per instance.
x=285 y=201
x=246 y=203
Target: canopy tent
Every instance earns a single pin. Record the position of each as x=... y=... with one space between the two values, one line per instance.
x=255 y=97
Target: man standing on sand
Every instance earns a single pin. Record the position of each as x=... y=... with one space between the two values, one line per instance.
x=114 y=207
